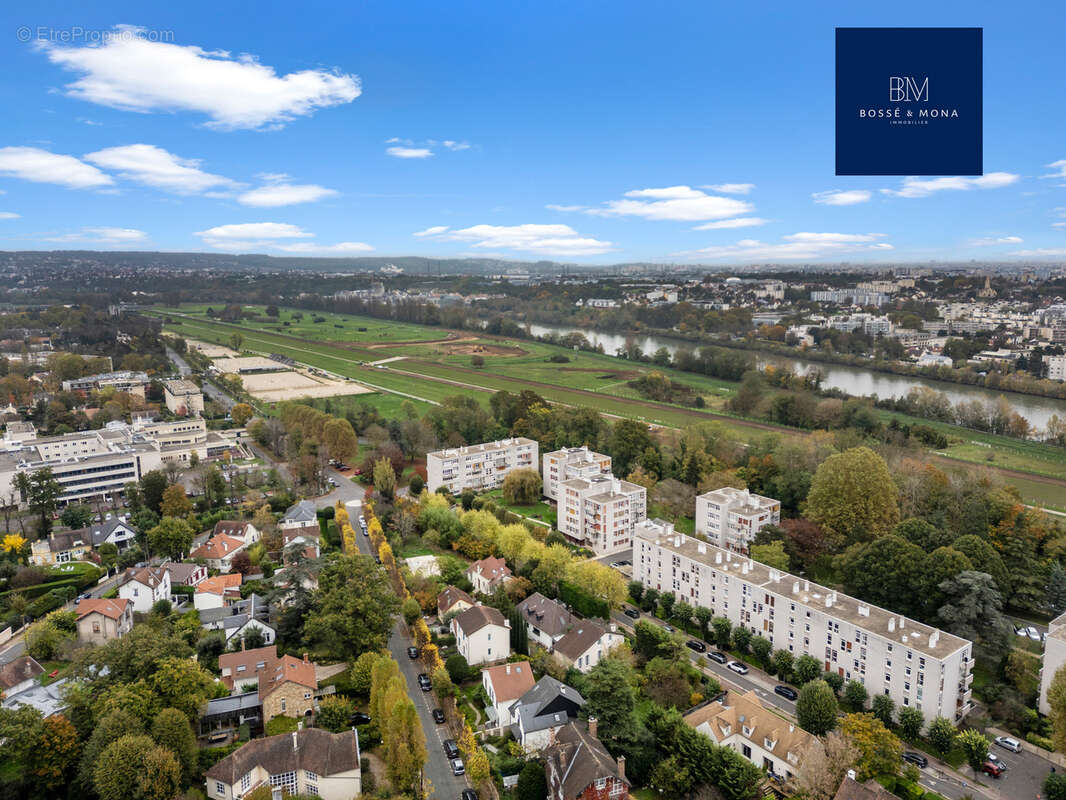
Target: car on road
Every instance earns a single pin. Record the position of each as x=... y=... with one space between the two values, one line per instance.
x=738 y=667
x=362 y=520
x=468 y=794
x=451 y=750
x=632 y=613
x=438 y=716
x=787 y=692
x=412 y=653
x=697 y=645
x=988 y=768
x=359 y=718
x=667 y=628
x=1007 y=743
x=365 y=531
x=917 y=759
x=457 y=767
x=424 y=683
x=718 y=656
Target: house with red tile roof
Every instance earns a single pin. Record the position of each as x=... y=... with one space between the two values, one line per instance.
x=102 y=619
x=218 y=551
x=488 y=573
x=219 y=591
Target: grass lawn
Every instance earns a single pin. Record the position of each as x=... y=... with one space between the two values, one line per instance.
x=416 y=548
x=538 y=511
x=645 y=794
x=50 y=667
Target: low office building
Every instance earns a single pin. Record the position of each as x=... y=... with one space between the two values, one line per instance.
x=731 y=517
x=101 y=619
x=480 y=466
x=126 y=381
x=560 y=466
x=183 y=397
x=916 y=665
x=599 y=513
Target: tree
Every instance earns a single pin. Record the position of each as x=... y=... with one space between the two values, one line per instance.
x=782 y=664
x=182 y=684
x=881 y=749
x=133 y=767
x=353 y=609
x=911 y=722
x=153 y=484
x=235 y=341
x=855 y=695
x=76 y=516
x=741 y=638
x=334 y=712
x=772 y=554
x=975 y=745
x=175 y=503
x=984 y=558
x=241 y=413
x=1056 y=588
x=40 y=490
x=823 y=768
x=532 y=785
x=973 y=608
x=55 y=753
x=807 y=669
x=853 y=497
x=816 y=708
x=886 y=571
x=941 y=735
x=44 y=640
x=923 y=533
x=384 y=477
x=340 y=440
x=628 y=440
x=942 y=565
x=1056 y=698
x=172 y=538
x=883 y=707
x=1055 y=783
x=522 y=487
x=611 y=698
x=242 y=563
x=109 y=727
x=835 y=681
x=171 y=729
x=761 y=647
x=402 y=736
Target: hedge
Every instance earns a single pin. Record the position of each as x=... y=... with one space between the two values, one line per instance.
x=582 y=602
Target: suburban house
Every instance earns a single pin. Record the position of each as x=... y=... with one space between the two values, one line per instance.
x=217 y=592
x=300 y=545
x=183 y=574
x=100 y=619
x=18 y=675
x=245 y=531
x=218 y=552
x=482 y=635
x=742 y=723
x=453 y=600
x=240 y=618
x=488 y=573
x=546 y=620
x=284 y=684
x=144 y=587
x=310 y=761
x=305 y=534
x=61 y=548
x=578 y=767
x=48 y=699
x=505 y=683
x=543 y=710
x=851 y=789
x=586 y=643
x=113 y=531
x=301 y=516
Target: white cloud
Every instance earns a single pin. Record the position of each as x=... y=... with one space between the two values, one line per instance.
x=41 y=166
x=153 y=166
x=730 y=188
x=274 y=195
x=1060 y=166
x=553 y=240
x=247 y=236
x=130 y=73
x=919 y=187
x=682 y=203
x=739 y=222
x=9 y=215
x=1046 y=252
x=339 y=249
x=848 y=197
x=455 y=146
x=409 y=152
x=113 y=236
x=797 y=246
x=989 y=241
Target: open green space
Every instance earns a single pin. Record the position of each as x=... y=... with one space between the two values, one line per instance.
x=541 y=511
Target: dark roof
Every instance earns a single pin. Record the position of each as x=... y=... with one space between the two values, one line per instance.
x=19 y=670
x=477 y=617
x=313 y=749
x=181 y=573
x=449 y=597
x=549 y=616
x=232 y=703
x=304 y=511
x=576 y=761
x=851 y=789
x=99 y=533
x=231 y=528
x=68 y=540
x=549 y=703
x=579 y=639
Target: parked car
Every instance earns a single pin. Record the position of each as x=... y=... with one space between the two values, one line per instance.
x=1007 y=743
x=697 y=645
x=917 y=759
x=738 y=667
x=632 y=613
x=412 y=652
x=451 y=750
x=457 y=767
x=438 y=716
x=718 y=656
x=468 y=794
x=1034 y=634
x=424 y=682
x=996 y=760
x=787 y=692
x=667 y=628
x=988 y=768
x=359 y=718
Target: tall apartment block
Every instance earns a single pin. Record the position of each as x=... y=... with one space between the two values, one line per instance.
x=569 y=463
x=479 y=466
x=916 y=665
x=599 y=513
x=730 y=517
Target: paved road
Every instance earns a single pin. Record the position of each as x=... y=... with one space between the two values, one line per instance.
x=179 y=362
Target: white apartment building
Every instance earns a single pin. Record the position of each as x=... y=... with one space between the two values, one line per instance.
x=1056 y=367
x=182 y=396
x=1053 y=658
x=731 y=518
x=569 y=463
x=479 y=466
x=599 y=513
x=916 y=665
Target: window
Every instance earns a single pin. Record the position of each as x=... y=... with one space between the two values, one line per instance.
x=286 y=780
x=220 y=788
x=246 y=782
x=96 y=627
x=283 y=705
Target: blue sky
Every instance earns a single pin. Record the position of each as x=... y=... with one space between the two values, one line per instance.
x=592 y=132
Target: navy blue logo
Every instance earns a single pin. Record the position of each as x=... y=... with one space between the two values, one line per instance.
x=908 y=101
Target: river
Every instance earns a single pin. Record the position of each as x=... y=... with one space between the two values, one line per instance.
x=853 y=380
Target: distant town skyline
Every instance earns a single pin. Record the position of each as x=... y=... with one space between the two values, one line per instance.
x=690 y=134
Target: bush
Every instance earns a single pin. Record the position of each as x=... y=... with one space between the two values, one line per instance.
x=1040 y=741
x=583 y=603
x=458 y=669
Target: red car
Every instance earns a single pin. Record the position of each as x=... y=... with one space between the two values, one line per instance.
x=995 y=770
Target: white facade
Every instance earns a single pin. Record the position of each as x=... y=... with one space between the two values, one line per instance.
x=731 y=518
x=1053 y=658
x=183 y=397
x=145 y=587
x=480 y=466
x=586 y=652
x=570 y=463
x=916 y=665
x=600 y=513
x=481 y=643
x=1056 y=367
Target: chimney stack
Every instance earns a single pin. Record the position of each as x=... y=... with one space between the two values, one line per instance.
x=305 y=659
x=622 y=767
x=594 y=727
x=295 y=742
